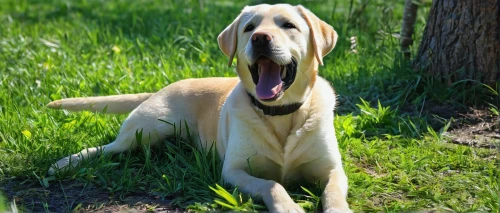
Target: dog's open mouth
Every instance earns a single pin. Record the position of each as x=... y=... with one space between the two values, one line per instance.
x=272 y=79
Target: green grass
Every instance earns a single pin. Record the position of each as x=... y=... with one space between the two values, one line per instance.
x=394 y=159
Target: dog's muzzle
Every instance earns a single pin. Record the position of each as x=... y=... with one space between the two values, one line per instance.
x=272 y=79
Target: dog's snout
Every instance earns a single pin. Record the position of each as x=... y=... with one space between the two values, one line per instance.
x=261 y=39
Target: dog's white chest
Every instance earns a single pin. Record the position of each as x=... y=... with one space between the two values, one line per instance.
x=286 y=149
x=281 y=127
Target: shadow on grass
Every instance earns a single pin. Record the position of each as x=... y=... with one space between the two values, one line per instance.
x=132 y=19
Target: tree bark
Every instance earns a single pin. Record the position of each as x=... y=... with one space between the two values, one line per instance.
x=408 y=26
x=462 y=41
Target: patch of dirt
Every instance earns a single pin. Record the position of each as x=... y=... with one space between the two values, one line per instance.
x=477 y=128
x=73 y=196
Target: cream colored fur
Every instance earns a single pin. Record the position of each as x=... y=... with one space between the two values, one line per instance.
x=300 y=146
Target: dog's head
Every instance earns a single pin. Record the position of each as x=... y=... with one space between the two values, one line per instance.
x=279 y=48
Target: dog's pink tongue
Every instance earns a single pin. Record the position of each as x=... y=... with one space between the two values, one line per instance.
x=269 y=79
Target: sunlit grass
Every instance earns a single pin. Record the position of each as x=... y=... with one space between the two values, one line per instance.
x=56 y=49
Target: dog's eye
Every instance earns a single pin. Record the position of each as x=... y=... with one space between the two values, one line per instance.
x=249 y=28
x=289 y=25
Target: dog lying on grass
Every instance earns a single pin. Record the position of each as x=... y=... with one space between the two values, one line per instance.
x=276 y=118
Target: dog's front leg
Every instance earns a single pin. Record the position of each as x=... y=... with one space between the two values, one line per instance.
x=335 y=193
x=272 y=193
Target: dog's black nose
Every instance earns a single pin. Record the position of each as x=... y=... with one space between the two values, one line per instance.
x=261 y=39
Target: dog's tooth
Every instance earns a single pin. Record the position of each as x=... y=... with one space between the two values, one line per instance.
x=283 y=72
x=259 y=70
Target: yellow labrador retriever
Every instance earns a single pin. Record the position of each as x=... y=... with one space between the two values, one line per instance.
x=276 y=119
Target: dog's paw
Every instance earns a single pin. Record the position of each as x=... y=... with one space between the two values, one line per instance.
x=336 y=210
x=289 y=207
x=58 y=166
x=63 y=164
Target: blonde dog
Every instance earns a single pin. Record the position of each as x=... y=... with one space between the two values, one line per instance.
x=276 y=119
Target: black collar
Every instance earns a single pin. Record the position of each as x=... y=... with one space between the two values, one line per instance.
x=275 y=110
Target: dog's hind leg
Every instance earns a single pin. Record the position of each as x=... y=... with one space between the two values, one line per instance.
x=146 y=130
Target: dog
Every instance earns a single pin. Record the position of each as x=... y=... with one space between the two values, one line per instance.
x=271 y=124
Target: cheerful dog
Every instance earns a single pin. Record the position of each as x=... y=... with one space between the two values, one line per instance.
x=276 y=119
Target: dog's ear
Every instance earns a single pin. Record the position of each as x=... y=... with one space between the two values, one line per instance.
x=228 y=39
x=323 y=35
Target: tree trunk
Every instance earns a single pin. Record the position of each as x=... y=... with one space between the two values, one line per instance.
x=462 y=41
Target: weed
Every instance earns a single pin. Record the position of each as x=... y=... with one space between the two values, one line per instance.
x=494 y=109
x=234 y=201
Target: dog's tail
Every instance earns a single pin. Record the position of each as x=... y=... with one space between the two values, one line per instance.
x=115 y=104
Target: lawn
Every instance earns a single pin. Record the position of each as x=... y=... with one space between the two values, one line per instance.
x=396 y=151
